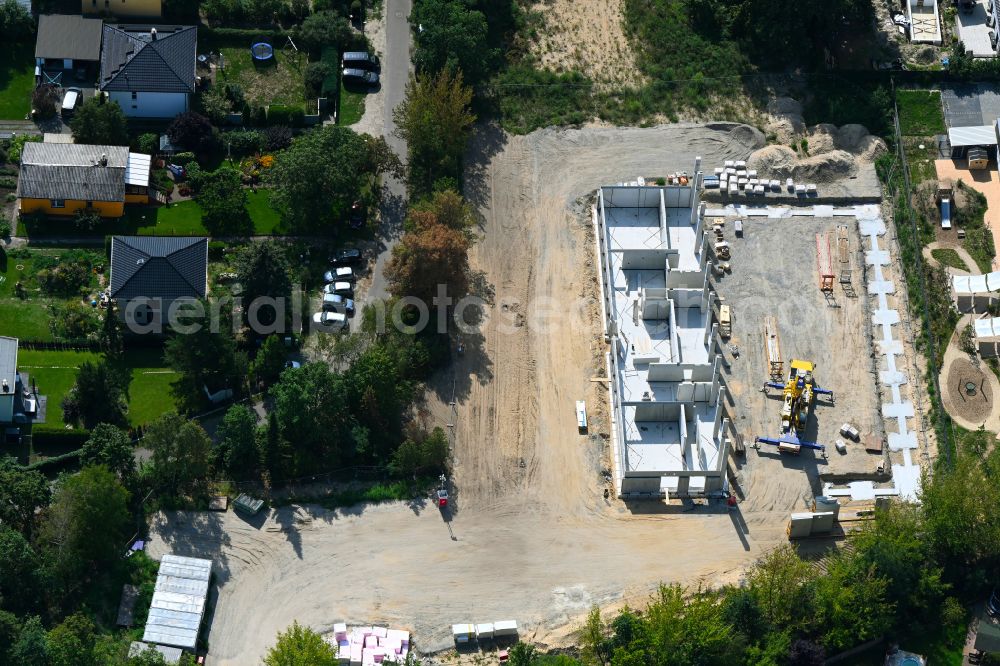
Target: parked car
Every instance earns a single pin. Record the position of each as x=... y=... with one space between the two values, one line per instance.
x=360 y=60
x=338 y=303
x=330 y=321
x=360 y=76
x=350 y=257
x=178 y=171
x=292 y=364
x=342 y=274
x=342 y=288
x=70 y=100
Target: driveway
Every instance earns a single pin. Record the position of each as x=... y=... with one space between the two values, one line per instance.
x=970 y=105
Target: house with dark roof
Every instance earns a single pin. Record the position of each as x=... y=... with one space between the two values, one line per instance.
x=20 y=404
x=149 y=274
x=68 y=42
x=62 y=178
x=149 y=70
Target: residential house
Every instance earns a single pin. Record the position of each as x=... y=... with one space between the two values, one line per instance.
x=151 y=273
x=148 y=9
x=67 y=43
x=149 y=70
x=20 y=404
x=62 y=178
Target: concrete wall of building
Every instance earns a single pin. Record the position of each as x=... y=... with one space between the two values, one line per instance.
x=6 y=408
x=44 y=206
x=151 y=104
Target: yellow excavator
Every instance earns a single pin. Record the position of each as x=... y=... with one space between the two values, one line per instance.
x=798 y=393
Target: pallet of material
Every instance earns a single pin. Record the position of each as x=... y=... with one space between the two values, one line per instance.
x=873 y=444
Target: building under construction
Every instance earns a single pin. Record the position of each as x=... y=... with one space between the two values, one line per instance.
x=669 y=430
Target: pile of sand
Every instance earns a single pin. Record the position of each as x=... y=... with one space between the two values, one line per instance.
x=746 y=136
x=777 y=161
x=825 y=167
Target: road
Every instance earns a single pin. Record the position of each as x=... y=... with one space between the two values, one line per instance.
x=396 y=70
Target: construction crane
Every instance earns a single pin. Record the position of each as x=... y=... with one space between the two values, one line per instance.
x=798 y=392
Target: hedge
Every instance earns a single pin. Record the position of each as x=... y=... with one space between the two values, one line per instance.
x=60 y=436
x=292 y=116
x=55 y=461
x=332 y=81
x=240 y=36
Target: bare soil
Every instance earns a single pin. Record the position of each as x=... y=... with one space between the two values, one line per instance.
x=586 y=36
x=974 y=406
x=530 y=536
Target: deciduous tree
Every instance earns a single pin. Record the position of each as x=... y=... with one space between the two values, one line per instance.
x=181 y=454
x=192 y=131
x=108 y=445
x=22 y=493
x=237 y=449
x=265 y=275
x=223 y=203
x=100 y=122
x=300 y=646
x=434 y=255
x=100 y=395
x=454 y=37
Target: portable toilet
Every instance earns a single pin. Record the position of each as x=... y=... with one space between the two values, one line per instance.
x=979 y=158
x=824 y=504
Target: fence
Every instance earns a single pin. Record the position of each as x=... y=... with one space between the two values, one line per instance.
x=943 y=424
x=66 y=345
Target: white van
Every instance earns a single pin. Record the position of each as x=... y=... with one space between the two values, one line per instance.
x=70 y=101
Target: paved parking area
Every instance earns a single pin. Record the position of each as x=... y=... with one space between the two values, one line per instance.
x=970 y=105
x=974 y=32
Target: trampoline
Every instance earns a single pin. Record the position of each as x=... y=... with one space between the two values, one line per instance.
x=262 y=51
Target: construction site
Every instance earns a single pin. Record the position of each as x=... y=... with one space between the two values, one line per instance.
x=529 y=486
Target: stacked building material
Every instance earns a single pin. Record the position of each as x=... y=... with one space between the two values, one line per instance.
x=367 y=646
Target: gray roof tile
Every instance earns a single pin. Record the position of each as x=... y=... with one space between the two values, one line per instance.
x=132 y=61
x=158 y=267
x=62 y=36
x=72 y=171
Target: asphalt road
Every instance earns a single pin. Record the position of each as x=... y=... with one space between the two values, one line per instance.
x=396 y=70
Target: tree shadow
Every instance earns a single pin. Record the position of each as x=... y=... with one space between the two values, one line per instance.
x=488 y=139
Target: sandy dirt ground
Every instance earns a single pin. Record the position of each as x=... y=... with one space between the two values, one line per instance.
x=986 y=182
x=586 y=36
x=834 y=333
x=531 y=537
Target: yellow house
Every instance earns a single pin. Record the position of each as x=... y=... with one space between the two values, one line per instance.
x=63 y=178
x=122 y=8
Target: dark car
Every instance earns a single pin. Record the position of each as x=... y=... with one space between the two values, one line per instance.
x=357 y=216
x=360 y=60
x=350 y=257
x=353 y=75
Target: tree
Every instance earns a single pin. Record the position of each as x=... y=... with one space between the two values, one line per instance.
x=22 y=493
x=324 y=28
x=300 y=646
x=44 y=100
x=181 y=454
x=32 y=645
x=378 y=394
x=270 y=360
x=454 y=38
x=100 y=395
x=445 y=207
x=15 y=20
x=594 y=647
x=274 y=448
x=435 y=120
x=522 y=654
x=204 y=360
x=850 y=604
x=434 y=255
x=311 y=405
x=316 y=73
x=108 y=445
x=192 y=131
x=100 y=122
x=223 y=203
x=19 y=573
x=264 y=273
x=86 y=504
x=111 y=338
x=237 y=448
x=71 y=643
x=318 y=177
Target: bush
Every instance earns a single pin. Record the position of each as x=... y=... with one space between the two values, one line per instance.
x=315 y=76
x=87 y=219
x=74 y=321
x=216 y=249
x=182 y=159
x=279 y=114
x=44 y=100
x=192 y=131
x=244 y=142
x=50 y=436
x=17 y=144
x=8 y=183
x=148 y=143
x=277 y=138
x=5 y=229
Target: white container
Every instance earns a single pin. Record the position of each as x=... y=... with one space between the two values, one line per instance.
x=730 y=163
x=484 y=631
x=504 y=628
x=752 y=173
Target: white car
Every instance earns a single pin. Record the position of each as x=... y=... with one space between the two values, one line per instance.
x=341 y=288
x=329 y=322
x=342 y=274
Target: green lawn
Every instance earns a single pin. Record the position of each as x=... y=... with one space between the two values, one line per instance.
x=182 y=218
x=280 y=82
x=55 y=374
x=17 y=79
x=27 y=319
x=920 y=160
x=920 y=112
x=352 y=107
x=948 y=257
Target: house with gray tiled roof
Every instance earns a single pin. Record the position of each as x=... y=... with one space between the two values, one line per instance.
x=20 y=403
x=151 y=273
x=149 y=70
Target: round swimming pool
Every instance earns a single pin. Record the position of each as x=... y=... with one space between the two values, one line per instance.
x=262 y=51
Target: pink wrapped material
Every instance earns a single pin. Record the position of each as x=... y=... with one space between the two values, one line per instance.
x=398 y=634
x=371 y=641
x=381 y=632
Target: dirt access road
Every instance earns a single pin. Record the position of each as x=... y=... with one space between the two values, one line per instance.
x=534 y=542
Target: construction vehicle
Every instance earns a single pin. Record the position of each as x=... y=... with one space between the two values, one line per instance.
x=725 y=322
x=441 y=494
x=798 y=392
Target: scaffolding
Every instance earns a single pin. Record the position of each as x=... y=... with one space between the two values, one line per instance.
x=823 y=256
